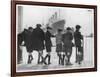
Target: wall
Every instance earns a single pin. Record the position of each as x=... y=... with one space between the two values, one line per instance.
x=5 y=38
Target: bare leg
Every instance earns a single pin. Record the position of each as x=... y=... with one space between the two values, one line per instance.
x=49 y=58
x=63 y=59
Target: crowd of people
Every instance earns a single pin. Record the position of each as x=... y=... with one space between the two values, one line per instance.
x=37 y=39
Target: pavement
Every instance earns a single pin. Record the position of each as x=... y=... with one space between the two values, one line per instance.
x=87 y=63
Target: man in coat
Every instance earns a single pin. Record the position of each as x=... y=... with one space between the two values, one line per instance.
x=48 y=44
x=26 y=37
x=20 y=39
x=78 y=42
x=38 y=42
x=28 y=44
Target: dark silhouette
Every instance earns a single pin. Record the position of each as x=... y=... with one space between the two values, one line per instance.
x=48 y=44
x=23 y=36
x=33 y=40
x=20 y=39
x=78 y=43
x=59 y=47
x=29 y=43
x=67 y=47
x=38 y=42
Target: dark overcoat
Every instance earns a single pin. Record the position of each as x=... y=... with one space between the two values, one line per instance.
x=78 y=37
x=28 y=41
x=48 y=39
x=67 y=41
x=48 y=42
x=19 y=43
x=26 y=37
x=38 y=38
x=20 y=38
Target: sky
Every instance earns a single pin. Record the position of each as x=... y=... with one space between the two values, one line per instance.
x=73 y=16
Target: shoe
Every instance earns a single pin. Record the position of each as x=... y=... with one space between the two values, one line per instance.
x=45 y=63
x=79 y=63
x=76 y=61
x=31 y=59
x=29 y=62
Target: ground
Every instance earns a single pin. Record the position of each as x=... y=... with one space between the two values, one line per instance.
x=88 y=60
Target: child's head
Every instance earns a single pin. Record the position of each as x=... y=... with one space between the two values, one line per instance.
x=30 y=29
x=78 y=27
x=68 y=29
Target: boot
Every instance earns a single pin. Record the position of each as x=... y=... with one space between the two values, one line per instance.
x=49 y=57
x=68 y=60
x=45 y=59
x=29 y=61
x=76 y=55
x=59 y=59
x=38 y=58
x=63 y=58
x=31 y=57
x=69 y=63
x=42 y=61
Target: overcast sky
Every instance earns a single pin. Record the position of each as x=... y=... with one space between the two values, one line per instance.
x=73 y=16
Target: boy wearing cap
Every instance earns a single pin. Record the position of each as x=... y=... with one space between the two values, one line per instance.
x=48 y=44
x=78 y=42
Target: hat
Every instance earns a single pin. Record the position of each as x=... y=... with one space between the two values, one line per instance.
x=30 y=28
x=68 y=28
x=38 y=25
x=78 y=26
x=59 y=30
x=49 y=28
x=25 y=29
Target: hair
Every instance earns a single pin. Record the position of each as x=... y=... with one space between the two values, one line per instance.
x=78 y=26
x=38 y=25
x=59 y=30
x=68 y=28
x=30 y=28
